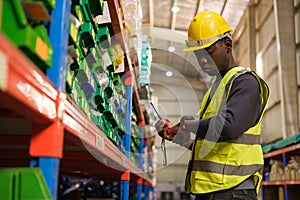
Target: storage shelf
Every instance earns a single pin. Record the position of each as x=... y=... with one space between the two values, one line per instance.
x=53 y=133
x=26 y=93
x=282 y=151
x=81 y=131
x=270 y=183
x=23 y=87
x=289 y=186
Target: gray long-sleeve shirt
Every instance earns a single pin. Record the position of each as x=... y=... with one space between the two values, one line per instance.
x=242 y=111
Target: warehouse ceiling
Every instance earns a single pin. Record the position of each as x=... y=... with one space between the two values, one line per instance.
x=157 y=13
x=175 y=15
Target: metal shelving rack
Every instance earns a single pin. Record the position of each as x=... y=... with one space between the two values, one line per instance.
x=56 y=132
x=283 y=155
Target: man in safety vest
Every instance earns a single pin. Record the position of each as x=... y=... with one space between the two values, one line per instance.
x=226 y=160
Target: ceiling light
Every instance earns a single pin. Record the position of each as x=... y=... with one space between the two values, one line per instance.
x=171 y=49
x=169 y=73
x=175 y=9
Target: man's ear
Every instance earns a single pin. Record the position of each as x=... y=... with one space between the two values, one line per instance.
x=228 y=44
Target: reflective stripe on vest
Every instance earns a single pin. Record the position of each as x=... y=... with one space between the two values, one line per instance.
x=206 y=166
x=243 y=139
x=219 y=165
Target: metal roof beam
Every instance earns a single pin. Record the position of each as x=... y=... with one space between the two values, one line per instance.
x=174 y=14
x=151 y=18
x=223 y=8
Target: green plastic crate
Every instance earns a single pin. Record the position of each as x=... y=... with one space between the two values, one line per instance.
x=109 y=132
x=109 y=92
x=98 y=99
x=102 y=37
x=87 y=35
x=85 y=11
x=23 y=184
x=95 y=6
x=116 y=121
x=79 y=14
x=80 y=52
x=90 y=9
x=79 y=98
x=96 y=119
x=109 y=116
x=34 y=42
x=92 y=57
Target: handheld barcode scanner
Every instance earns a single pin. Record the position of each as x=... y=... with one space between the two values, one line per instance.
x=163 y=143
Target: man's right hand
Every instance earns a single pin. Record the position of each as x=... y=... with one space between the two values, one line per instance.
x=163 y=127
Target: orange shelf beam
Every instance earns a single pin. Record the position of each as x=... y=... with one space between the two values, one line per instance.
x=24 y=88
x=84 y=133
x=282 y=151
x=26 y=92
x=89 y=136
x=270 y=183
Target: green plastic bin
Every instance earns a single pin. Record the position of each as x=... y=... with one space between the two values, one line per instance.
x=23 y=184
x=34 y=41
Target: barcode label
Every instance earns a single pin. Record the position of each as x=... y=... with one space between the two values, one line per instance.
x=4 y=71
x=100 y=142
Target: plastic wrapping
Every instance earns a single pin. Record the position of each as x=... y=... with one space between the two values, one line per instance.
x=133 y=16
x=118 y=54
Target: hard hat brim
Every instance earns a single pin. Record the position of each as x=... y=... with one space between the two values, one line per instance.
x=194 y=48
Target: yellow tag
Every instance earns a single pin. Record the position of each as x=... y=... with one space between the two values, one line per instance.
x=41 y=48
x=78 y=12
x=75 y=95
x=86 y=107
x=69 y=77
x=73 y=32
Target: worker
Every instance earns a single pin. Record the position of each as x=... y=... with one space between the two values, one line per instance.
x=226 y=160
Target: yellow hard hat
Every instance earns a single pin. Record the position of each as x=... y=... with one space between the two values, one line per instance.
x=205 y=29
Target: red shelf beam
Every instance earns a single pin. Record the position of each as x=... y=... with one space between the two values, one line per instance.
x=88 y=135
x=81 y=131
x=270 y=183
x=23 y=87
x=27 y=92
x=282 y=151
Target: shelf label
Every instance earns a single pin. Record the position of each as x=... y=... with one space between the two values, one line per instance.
x=4 y=71
x=100 y=142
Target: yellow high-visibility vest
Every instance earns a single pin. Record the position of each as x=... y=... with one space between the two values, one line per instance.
x=217 y=164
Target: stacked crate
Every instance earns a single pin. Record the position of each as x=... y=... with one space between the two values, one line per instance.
x=91 y=80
